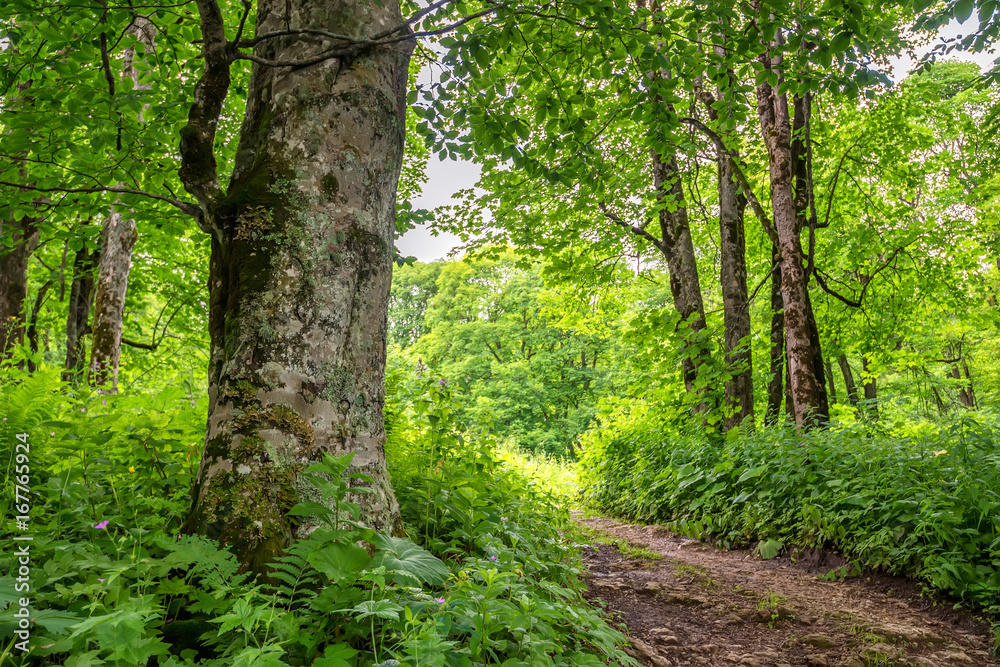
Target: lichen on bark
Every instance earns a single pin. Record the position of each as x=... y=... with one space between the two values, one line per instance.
x=299 y=282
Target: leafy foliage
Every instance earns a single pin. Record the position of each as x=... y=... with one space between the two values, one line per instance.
x=115 y=582
x=915 y=499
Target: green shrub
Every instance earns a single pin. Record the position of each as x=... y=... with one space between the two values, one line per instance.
x=917 y=501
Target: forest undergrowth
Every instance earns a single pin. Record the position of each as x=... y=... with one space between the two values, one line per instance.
x=483 y=575
x=906 y=498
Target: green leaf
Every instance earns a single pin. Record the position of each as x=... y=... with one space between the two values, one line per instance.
x=310 y=509
x=339 y=561
x=401 y=555
x=770 y=548
x=963 y=10
x=54 y=621
x=379 y=608
x=338 y=655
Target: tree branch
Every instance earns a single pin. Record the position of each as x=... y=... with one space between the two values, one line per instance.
x=353 y=47
x=864 y=287
x=638 y=231
x=142 y=346
x=763 y=281
x=831 y=292
x=199 y=170
x=833 y=184
x=758 y=210
x=186 y=207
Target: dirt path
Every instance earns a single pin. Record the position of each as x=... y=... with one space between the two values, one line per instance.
x=702 y=606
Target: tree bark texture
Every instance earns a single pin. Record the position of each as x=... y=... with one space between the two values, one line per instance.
x=300 y=273
x=735 y=297
x=14 y=279
x=805 y=359
x=118 y=238
x=775 y=384
x=733 y=272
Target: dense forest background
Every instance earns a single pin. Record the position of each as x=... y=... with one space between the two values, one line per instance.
x=720 y=272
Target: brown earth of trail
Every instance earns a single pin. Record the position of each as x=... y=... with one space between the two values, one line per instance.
x=702 y=606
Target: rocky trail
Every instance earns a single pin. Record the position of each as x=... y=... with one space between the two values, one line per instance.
x=697 y=605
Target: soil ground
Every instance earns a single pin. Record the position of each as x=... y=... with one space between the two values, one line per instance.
x=698 y=605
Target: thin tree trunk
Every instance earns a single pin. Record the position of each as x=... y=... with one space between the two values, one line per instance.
x=969 y=398
x=789 y=401
x=32 y=333
x=735 y=296
x=805 y=360
x=300 y=271
x=23 y=235
x=942 y=408
x=850 y=388
x=829 y=377
x=118 y=238
x=14 y=279
x=78 y=310
x=870 y=388
x=678 y=249
x=775 y=387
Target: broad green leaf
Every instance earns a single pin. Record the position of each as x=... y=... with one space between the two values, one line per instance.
x=339 y=561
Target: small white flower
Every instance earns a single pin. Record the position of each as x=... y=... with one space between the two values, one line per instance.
x=243 y=469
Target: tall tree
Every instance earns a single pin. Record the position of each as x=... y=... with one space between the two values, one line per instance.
x=733 y=265
x=301 y=259
x=802 y=346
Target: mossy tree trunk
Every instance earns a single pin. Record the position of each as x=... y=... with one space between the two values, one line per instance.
x=300 y=270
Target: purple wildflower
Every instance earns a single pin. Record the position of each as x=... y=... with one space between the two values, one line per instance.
x=439 y=600
x=102 y=525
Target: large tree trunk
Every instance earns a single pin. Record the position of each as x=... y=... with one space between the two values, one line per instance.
x=775 y=385
x=805 y=359
x=118 y=238
x=678 y=249
x=299 y=278
x=78 y=310
x=14 y=279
